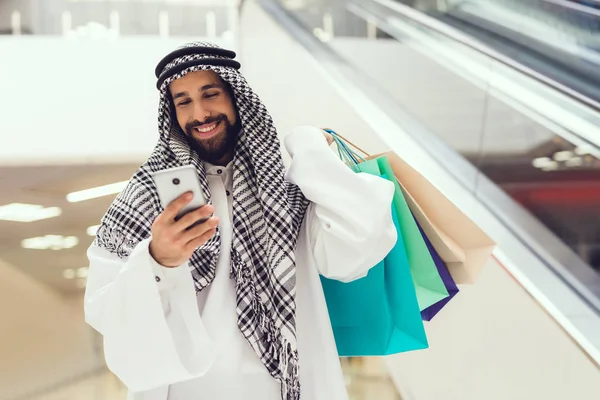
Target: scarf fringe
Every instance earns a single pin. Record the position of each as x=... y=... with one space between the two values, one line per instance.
x=114 y=241
x=289 y=364
x=278 y=348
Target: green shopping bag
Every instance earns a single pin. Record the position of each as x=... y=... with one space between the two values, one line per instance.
x=379 y=314
x=429 y=285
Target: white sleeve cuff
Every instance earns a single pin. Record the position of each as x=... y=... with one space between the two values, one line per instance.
x=166 y=278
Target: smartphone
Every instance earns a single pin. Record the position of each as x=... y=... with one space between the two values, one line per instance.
x=173 y=182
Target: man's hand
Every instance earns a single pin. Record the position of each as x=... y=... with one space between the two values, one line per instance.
x=173 y=242
x=329 y=137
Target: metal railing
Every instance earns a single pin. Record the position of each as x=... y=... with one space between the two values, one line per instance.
x=567 y=33
x=468 y=41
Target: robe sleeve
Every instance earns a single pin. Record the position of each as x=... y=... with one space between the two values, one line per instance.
x=148 y=316
x=349 y=220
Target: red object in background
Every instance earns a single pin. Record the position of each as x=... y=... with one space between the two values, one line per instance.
x=579 y=194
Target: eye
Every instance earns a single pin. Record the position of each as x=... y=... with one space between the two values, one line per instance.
x=211 y=95
x=184 y=102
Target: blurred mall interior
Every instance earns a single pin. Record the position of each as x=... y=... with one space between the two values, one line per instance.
x=496 y=102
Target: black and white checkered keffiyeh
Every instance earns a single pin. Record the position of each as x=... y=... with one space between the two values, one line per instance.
x=267 y=214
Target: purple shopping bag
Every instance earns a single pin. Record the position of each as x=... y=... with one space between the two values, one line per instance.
x=430 y=312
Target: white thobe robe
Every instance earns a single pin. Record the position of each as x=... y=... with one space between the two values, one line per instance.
x=165 y=342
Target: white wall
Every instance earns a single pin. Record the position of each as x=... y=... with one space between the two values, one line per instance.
x=95 y=101
x=79 y=101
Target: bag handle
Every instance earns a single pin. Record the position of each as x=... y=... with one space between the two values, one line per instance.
x=346 y=154
x=336 y=134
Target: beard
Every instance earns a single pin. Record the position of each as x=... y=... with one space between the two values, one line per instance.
x=213 y=149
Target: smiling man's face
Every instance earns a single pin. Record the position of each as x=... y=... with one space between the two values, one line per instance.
x=206 y=113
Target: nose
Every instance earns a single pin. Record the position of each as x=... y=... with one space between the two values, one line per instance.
x=200 y=113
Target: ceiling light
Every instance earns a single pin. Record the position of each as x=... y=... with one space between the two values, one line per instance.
x=541 y=162
x=91 y=231
x=574 y=162
x=82 y=272
x=96 y=192
x=582 y=150
x=50 y=242
x=27 y=212
x=563 y=155
x=68 y=274
x=551 y=166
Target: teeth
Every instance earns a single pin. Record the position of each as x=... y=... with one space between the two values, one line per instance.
x=207 y=129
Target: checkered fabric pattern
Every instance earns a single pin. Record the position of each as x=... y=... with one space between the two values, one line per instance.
x=267 y=215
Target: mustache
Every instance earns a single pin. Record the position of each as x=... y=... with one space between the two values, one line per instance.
x=210 y=120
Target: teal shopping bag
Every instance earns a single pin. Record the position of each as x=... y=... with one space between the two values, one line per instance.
x=378 y=314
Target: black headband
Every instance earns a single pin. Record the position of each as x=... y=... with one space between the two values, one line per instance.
x=227 y=61
x=204 y=61
x=186 y=51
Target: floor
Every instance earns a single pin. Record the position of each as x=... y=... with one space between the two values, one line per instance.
x=367 y=378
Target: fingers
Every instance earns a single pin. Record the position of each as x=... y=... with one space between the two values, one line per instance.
x=176 y=205
x=193 y=217
x=199 y=241
x=328 y=136
x=199 y=229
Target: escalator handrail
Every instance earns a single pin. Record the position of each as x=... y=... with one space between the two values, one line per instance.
x=456 y=35
x=576 y=6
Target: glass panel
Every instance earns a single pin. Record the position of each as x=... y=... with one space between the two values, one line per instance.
x=559 y=38
x=554 y=178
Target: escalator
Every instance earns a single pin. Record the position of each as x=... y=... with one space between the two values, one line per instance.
x=557 y=38
x=511 y=127
x=517 y=147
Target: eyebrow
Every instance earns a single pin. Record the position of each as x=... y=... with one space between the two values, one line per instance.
x=202 y=89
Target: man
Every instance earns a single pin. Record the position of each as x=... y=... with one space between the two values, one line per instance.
x=231 y=308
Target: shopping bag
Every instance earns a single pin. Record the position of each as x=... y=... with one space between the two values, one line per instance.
x=451 y=287
x=429 y=286
x=461 y=244
x=379 y=314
